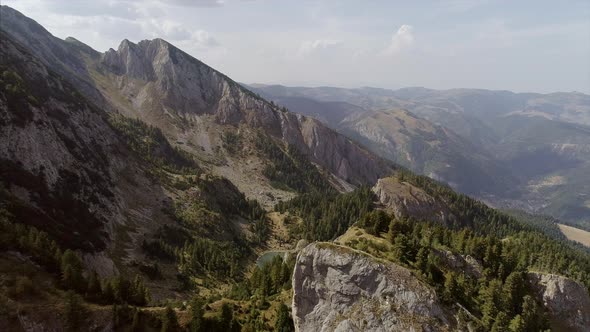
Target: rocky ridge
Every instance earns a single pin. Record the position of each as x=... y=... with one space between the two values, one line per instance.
x=156 y=78
x=339 y=289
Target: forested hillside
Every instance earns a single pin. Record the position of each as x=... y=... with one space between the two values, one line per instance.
x=142 y=190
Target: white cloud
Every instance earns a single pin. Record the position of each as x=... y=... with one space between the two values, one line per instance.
x=178 y=33
x=311 y=46
x=203 y=39
x=194 y=3
x=401 y=41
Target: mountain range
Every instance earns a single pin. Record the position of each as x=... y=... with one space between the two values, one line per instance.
x=513 y=150
x=141 y=189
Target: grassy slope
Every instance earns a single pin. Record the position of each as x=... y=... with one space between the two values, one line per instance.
x=576 y=234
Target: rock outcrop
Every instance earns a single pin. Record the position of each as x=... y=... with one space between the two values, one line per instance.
x=404 y=199
x=567 y=301
x=339 y=289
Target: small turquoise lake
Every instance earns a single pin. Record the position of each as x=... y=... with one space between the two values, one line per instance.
x=268 y=256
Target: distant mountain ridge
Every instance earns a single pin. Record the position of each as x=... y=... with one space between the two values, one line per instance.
x=520 y=150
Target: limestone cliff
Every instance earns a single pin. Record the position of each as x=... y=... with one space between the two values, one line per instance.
x=404 y=199
x=170 y=89
x=340 y=289
x=567 y=301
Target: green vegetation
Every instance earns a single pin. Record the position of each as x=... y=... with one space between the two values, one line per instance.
x=74 y=311
x=205 y=241
x=150 y=144
x=217 y=204
x=326 y=216
x=232 y=142
x=289 y=169
x=466 y=211
x=15 y=90
x=284 y=322
x=545 y=224
x=67 y=267
x=500 y=296
x=266 y=283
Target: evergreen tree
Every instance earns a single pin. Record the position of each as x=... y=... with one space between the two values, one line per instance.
x=513 y=291
x=116 y=316
x=197 y=312
x=491 y=302
x=71 y=270
x=501 y=322
x=73 y=312
x=532 y=315
x=422 y=259
x=93 y=290
x=169 y=320
x=226 y=317
x=135 y=322
x=284 y=323
x=517 y=324
x=451 y=287
x=401 y=248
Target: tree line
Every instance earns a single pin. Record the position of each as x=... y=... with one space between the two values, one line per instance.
x=68 y=268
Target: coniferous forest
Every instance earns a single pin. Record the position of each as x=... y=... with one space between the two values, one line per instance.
x=143 y=190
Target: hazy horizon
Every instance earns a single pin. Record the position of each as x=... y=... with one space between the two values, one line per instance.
x=530 y=46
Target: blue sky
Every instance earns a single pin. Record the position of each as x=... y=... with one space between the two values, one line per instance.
x=539 y=46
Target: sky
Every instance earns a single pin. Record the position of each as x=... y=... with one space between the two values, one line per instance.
x=523 y=46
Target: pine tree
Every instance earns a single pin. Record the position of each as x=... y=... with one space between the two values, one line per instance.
x=226 y=316
x=197 y=312
x=107 y=291
x=93 y=290
x=517 y=324
x=116 y=318
x=513 y=291
x=71 y=270
x=532 y=315
x=74 y=311
x=284 y=323
x=169 y=320
x=401 y=248
x=501 y=322
x=135 y=322
x=422 y=259
x=139 y=293
x=451 y=287
x=490 y=302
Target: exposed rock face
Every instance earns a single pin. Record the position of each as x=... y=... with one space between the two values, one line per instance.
x=567 y=301
x=64 y=169
x=403 y=199
x=168 y=88
x=158 y=78
x=45 y=150
x=339 y=289
x=457 y=262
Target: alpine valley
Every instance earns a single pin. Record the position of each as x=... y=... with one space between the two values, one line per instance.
x=142 y=190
